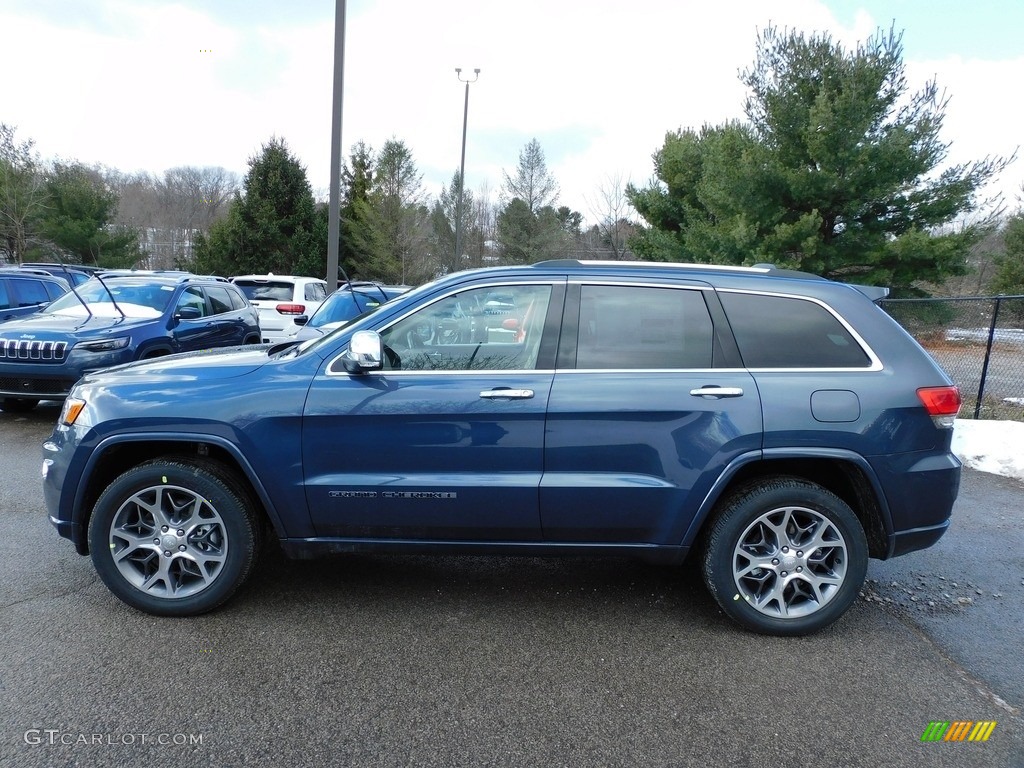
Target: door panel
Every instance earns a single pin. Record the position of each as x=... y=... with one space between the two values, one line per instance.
x=630 y=455
x=640 y=423
x=447 y=441
x=422 y=456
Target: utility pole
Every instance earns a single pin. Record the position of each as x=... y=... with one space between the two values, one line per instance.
x=334 y=205
x=462 y=166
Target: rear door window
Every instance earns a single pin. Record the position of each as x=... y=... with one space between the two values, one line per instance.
x=220 y=302
x=643 y=328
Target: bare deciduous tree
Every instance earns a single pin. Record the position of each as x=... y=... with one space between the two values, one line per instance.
x=168 y=212
x=613 y=213
x=22 y=195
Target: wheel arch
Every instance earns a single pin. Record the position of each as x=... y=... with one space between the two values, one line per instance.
x=116 y=455
x=154 y=348
x=845 y=473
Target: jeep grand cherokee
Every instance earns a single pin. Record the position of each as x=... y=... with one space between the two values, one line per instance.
x=778 y=427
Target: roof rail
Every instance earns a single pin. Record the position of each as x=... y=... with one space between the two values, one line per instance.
x=649 y=265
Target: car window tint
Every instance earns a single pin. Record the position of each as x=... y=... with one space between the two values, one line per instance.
x=338 y=307
x=31 y=293
x=471 y=331
x=193 y=297
x=785 y=332
x=54 y=290
x=638 y=327
x=262 y=291
x=5 y=299
x=315 y=292
x=237 y=300
x=220 y=302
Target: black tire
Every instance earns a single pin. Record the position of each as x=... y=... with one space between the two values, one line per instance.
x=174 y=537
x=18 y=404
x=784 y=556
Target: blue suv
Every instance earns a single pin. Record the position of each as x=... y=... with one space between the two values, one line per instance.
x=345 y=304
x=113 y=318
x=779 y=428
x=24 y=291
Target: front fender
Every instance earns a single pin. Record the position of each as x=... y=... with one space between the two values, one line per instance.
x=92 y=469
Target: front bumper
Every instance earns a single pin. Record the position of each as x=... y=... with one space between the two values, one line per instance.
x=38 y=387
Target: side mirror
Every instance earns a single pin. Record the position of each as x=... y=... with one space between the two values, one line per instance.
x=301 y=319
x=188 y=313
x=365 y=352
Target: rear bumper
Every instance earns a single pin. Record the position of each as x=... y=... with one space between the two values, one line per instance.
x=921 y=491
x=918 y=538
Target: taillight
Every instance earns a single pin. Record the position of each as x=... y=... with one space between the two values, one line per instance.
x=291 y=309
x=942 y=404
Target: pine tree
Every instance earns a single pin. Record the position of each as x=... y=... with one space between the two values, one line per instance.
x=80 y=208
x=838 y=171
x=272 y=226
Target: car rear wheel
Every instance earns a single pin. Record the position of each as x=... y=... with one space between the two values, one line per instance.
x=785 y=557
x=174 y=538
x=18 y=404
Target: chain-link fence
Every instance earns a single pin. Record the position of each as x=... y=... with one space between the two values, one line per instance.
x=980 y=344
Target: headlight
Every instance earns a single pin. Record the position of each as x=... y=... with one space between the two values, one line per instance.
x=105 y=345
x=72 y=409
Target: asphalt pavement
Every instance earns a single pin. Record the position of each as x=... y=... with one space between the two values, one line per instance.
x=368 y=660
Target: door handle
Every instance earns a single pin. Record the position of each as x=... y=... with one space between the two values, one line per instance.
x=716 y=393
x=512 y=394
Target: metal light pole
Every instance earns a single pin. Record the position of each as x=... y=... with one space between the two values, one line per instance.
x=462 y=167
x=334 y=202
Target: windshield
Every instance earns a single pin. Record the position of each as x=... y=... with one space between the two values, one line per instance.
x=344 y=305
x=134 y=297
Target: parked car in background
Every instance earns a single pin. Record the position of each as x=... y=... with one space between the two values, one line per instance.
x=347 y=303
x=24 y=291
x=117 y=317
x=280 y=299
x=75 y=274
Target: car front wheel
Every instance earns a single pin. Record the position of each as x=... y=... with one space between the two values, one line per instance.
x=173 y=538
x=785 y=557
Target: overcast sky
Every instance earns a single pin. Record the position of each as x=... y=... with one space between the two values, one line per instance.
x=149 y=85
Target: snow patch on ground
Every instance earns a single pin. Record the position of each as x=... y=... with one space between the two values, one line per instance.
x=991 y=446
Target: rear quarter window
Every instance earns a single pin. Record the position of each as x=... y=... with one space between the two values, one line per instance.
x=54 y=290
x=790 y=332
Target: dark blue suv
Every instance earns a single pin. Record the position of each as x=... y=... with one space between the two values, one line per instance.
x=778 y=427
x=24 y=291
x=114 y=318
